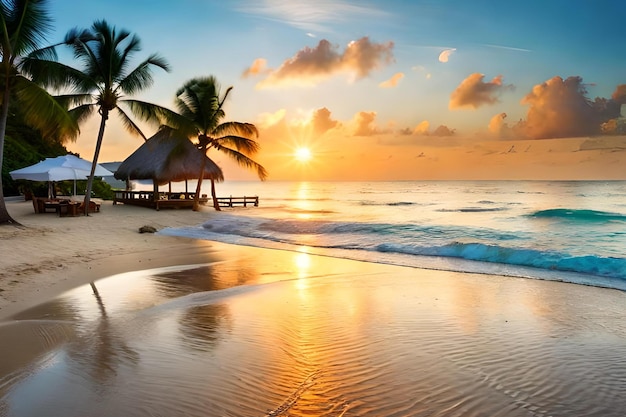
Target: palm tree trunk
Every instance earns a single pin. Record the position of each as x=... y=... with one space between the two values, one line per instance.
x=94 y=163
x=5 y=217
x=196 y=197
x=216 y=204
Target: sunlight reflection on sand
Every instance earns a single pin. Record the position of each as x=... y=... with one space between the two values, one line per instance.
x=288 y=333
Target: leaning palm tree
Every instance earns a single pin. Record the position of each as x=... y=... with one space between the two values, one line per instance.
x=23 y=26
x=200 y=114
x=105 y=81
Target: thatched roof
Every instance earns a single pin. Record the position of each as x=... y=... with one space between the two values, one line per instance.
x=165 y=158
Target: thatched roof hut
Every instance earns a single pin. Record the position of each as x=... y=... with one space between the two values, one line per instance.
x=167 y=157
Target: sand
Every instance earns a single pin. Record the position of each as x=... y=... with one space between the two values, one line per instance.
x=51 y=254
x=255 y=332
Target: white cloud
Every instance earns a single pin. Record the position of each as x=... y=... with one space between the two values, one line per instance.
x=444 y=56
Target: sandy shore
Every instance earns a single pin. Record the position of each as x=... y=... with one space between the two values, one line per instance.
x=51 y=254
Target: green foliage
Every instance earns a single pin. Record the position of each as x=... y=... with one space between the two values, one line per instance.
x=100 y=189
x=25 y=146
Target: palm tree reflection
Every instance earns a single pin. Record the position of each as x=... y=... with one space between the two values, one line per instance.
x=104 y=350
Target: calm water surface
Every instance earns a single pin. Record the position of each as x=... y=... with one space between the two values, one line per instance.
x=276 y=333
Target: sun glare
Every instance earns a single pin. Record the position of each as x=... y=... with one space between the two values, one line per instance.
x=303 y=154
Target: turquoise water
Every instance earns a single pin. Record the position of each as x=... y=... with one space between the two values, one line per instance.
x=572 y=231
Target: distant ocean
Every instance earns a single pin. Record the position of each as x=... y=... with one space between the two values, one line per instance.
x=573 y=231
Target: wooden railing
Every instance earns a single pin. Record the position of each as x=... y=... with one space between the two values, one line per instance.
x=178 y=199
x=238 y=201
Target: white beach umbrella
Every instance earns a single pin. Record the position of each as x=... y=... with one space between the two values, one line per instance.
x=67 y=167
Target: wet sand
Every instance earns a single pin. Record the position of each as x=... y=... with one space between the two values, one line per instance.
x=244 y=331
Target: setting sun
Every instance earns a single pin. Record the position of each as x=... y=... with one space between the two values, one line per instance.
x=303 y=154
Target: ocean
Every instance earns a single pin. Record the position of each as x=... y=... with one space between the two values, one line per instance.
x=572 y=231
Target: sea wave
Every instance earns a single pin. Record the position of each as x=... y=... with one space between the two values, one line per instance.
x=555 y=261
x=579 y=215
x=389 y=240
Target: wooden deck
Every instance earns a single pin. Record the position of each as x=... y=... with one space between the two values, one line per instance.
x=174 y=200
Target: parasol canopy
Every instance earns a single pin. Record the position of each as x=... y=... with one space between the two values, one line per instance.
x=61 y=168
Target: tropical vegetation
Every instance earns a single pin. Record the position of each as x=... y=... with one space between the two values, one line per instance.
x=24 y=25
x=104 y=82
x=200 y=103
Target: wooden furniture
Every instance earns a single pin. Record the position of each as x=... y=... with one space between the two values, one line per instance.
x=177 y=199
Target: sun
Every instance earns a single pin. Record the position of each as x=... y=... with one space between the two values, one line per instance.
x=303 y=154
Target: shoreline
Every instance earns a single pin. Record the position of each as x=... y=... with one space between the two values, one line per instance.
x=52 y=254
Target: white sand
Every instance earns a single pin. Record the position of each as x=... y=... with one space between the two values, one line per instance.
x=51 y=254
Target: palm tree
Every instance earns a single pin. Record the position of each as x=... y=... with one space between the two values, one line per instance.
x=23 y=25
x=104 y=81
x=200 y=114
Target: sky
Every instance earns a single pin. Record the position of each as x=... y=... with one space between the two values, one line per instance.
x=389 y=89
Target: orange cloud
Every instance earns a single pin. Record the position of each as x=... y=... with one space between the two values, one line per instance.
x=365 y=124
x=322 y=121
x=393 y=81
x=619 y=95
x=497 y=123
x=422 y=128
x=259 y=66
x=312 y=65
x=560 y=108
x=444 y=56
x=474 y=92
x=443 y=131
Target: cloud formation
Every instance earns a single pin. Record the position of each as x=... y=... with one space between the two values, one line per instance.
x=422 y=128
x=619 y=95
x=259 y=66
x=444 y=56
x=318 y=16
x=312 y=65
x=393 y=81
x=322 y=122
x=442 y=131
x=474 y=92
x=496 y=124
x=365 y=124
x=560 y=108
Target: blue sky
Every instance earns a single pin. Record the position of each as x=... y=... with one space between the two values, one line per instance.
x=386 y=77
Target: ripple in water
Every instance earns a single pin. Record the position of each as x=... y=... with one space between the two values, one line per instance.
x=357 y=342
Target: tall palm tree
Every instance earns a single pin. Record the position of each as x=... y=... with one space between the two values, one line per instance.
x=23 y=26
x=104 y=81
x=200 y=114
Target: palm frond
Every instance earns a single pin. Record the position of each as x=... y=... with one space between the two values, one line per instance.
x=151 y=113
x=83 y=112
x=141 y=77
x=56 y=75
x=45 y=113
x=236 y=128
x=244 y=145
x=129 y=125
x=73 y=100
x=243 y=160
x=27 y=22
x=162 y=115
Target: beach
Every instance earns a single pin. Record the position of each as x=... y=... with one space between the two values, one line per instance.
x=178 y=326
x=51 y=254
